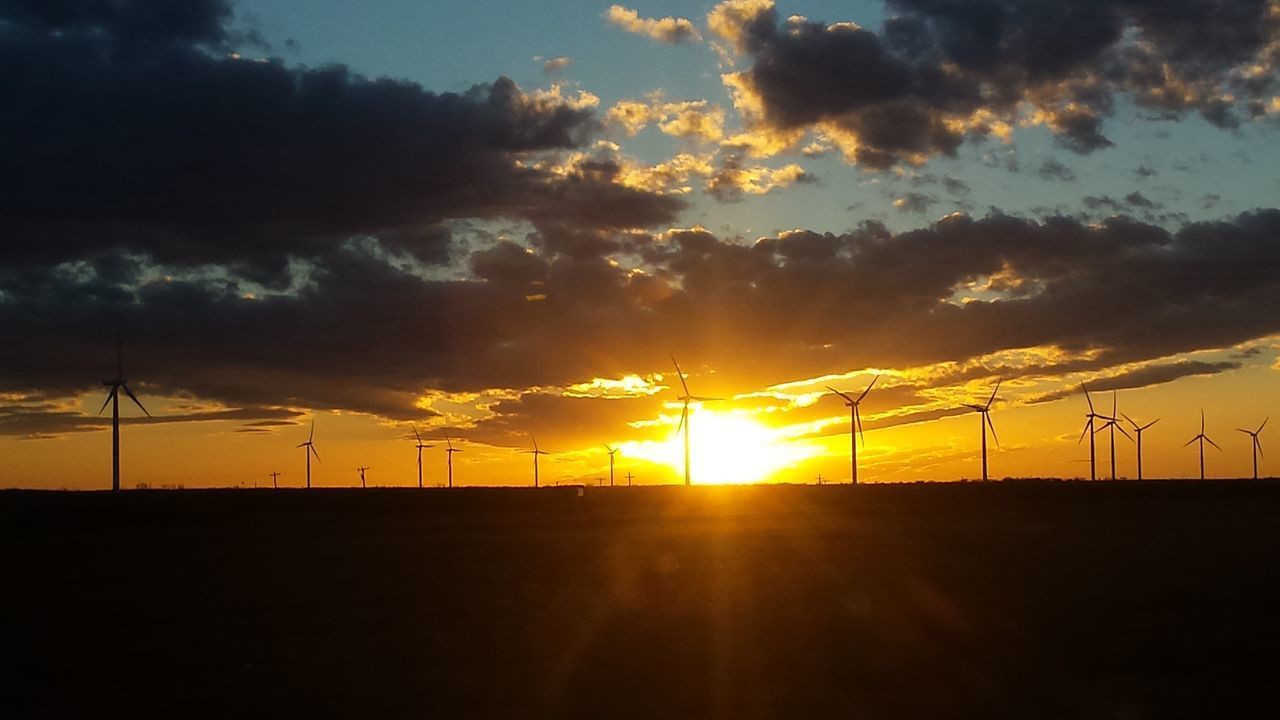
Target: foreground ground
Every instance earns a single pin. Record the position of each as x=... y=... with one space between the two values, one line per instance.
x=1005 y=600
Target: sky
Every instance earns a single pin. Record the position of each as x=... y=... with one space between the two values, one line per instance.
x=498 y=220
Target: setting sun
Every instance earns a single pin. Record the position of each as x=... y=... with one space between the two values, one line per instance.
x=725 y=448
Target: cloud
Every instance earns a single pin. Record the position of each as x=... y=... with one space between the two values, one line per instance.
x=367 y=334
x=1052 y=169
x=695 y=119
x=734 y=178
x=937 y=73
x=556 y=64
x=43 y=420
x=671 y=30
x=914 y=202
x=195 y=156
x=1146 y=376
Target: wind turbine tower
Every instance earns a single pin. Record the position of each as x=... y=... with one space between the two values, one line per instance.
x=361 y=470
x=1114 y=425
x=535 y=452
x=448 y=453
x=985 y=412
x=1138 y=430
x=275 y=480
x=113 y=399
x=421 y=446
x=1257 y=444
x=1202 y=439
x=310 y=450
x=685 y=399
x=855 y=424
x=612 y=451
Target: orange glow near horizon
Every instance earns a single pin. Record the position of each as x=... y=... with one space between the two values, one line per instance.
x=725 y=448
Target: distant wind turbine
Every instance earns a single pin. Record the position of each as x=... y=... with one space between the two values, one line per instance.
x=985 y=412
x=1137 y=430
x=855 y=424
x=310 y=450
x=630 y=477
x=1203 y=439
x=687 y=398
x=535 y=452
x=448 y=453
x=612 y=451
x=1114 y=425
x=275 y=480
x=1257 y=444
x=1091 y=429
x=361 y=470
x=113 y=399
x=421 y=446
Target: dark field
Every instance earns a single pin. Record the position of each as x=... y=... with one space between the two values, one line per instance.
x=1118 y=600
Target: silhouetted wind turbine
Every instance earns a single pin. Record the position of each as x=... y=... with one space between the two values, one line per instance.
x=448 y=453
x=1137 y=430
x=361 y=470
x=113 y=399
x=630 y=477
x=687 y=398
x=1203 y=439
x=421 y=446
x=310 y=450
x=612 y=452
x=1257 y=444
x=535 y=452
x=1114 y=425
x=855 y=424
x=275 y=480
x=1091 y=430
x=985 y=412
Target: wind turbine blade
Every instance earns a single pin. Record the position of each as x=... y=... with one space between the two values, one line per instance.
x=684 y=417
x=1113 y=403
x=993 y=428
x=1191 y=441
x=1153 y=422
x=857 y=415
x=864 y=392
x=1206 y=439
x=993 y=392
x=1084 y=432
x=1264 y=424
x=312 y=436
x=1202 y=422
x=1131 y=422
x=301 y=445
x=1086 y=396
x=135 y=399
x=107 y=402
x=1246 y=432
x=979 y=408
x=415 y=434
x=1122 y=432
x=846 y=397
x=707 y=399
x=313 y=451
x=535 y=442
x=680 y=375
x=448 y=441
x=1258 y=444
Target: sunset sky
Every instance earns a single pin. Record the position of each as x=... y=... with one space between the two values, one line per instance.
x=500 y=217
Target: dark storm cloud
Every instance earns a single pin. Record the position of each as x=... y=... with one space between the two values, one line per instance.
x=1145 y=377
x=130 y=128
x=367 y=335
x=940 y=71
x=37 y=421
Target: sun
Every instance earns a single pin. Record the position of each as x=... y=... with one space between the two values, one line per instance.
x=725 y=448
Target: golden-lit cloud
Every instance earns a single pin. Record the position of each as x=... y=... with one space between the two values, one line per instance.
x=694 y=119
x=669 y=30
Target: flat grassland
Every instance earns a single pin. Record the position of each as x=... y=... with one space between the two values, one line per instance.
x=1125 y=600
